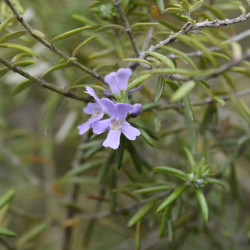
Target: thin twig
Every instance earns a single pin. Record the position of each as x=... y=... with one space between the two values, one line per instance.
x=50 y=46
x=149 y=37
x=215 y=72
x=127 y=27
x=187 y=28
x=235 y=38
x=207 y=101
x=43 y=83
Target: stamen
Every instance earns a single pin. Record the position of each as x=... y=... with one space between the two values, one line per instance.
x=116 y=124
x=95 y=113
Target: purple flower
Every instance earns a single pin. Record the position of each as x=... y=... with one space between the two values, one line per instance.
x=136 y=110
x=118 y=81
x=116 y=124
x=96 y=110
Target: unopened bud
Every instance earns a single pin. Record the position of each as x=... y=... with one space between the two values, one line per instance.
x=136 y=111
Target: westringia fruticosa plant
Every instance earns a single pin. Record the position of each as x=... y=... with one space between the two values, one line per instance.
x=144 y=122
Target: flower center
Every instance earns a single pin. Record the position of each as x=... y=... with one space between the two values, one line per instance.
x=116 y=124
x=95 y=113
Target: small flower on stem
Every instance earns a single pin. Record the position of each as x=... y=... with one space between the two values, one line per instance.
x=118 y=81
x=96 y=110
x=116 y=124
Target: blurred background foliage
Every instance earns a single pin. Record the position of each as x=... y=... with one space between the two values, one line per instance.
x=40 y=147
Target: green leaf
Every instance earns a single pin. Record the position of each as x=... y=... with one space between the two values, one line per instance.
x=120 y=152
x=146 y=137
x=69 y=33
x=135 y=156
x=219 y=100
x=171 y=198
x=6 y=198
x=174 y=10
x=189 y=108
x=85 y=167
x=6 y=232
x=138 y=60
x=172 y=171
x=137 y=81
x=13 y=35
x=150 y=106
x=152 y=189
x=183 y=91
x=216 y=181
x=164 y=221
x=3 y=71
x=6 y=22
x=159 y=88
x=203 y=203
x=32 y=233
x=182 y=55
x=109 y=27
x=21 y=87
x=196 y=6
x=105 y=168
x=191 y=160
x=144 y=24
x=51 y=113
x=38 y=33
x=75 y=51
x=162 y=58
x=143 y=211
x=19 y=47
x=24 y=63
x=161 y=5
x=185 y=5
x=56 y=67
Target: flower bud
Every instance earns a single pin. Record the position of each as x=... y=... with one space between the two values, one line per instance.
x=136 y=111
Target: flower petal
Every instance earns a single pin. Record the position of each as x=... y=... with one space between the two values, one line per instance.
x=123 y=75
x=109 y=107
x=90 y=108
x=83 y=128
x=113 y=139
x=118 y=80
x=101 y=126
x=129 y=131
x=112 y=80
x=136 y=110
x=123 y=109
x=91 y=92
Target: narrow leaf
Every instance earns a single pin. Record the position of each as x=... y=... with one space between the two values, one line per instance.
x=146 y=137
x=19 y=47
x=161 y=5
x=137 y=81
x=196 y=6
x=6 y=198
x=144 y=210
x=32 y=234
x=21 y=87
x=183 y=91
x=150 y=106
x=3 y=71
x=6 y=22
x=203 y=203
x=190 y=159
x=138 y=60
x=6 y=232
x=13 y=35
x=162 y=58
x=172 y=171
x=171 y=198
x=75 y=51
x=58 y=66
x=69 y=33
x=189 y=108
x=120 y=152
x=159 y=88
x=152 y=189
x=174 y=10
x=164 y=221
